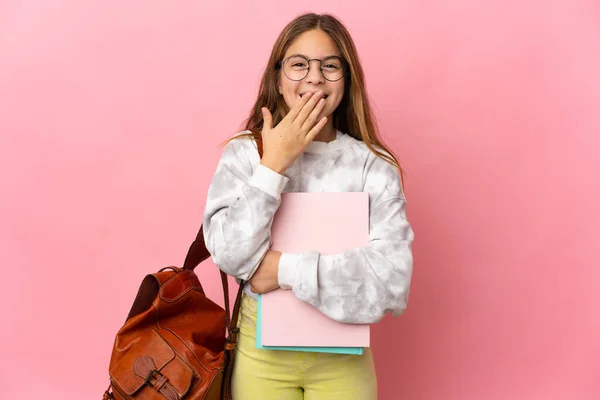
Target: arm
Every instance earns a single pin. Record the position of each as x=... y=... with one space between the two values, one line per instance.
x=360 y=285
x=241 y=202
x=239 y=210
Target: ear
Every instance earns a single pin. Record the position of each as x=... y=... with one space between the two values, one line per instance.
x=279 y=90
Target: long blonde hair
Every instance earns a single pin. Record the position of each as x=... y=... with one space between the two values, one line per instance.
x=352 y=116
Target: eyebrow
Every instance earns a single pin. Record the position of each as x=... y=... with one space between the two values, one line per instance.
x=304 y=55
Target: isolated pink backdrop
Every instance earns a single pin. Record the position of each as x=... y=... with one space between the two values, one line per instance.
x=110 y=117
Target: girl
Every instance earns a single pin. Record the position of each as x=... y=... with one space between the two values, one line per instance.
x=314 y=126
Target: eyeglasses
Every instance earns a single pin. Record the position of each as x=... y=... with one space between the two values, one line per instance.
x=296 y=67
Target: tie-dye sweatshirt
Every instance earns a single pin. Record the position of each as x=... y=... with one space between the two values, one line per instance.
x=356 y=286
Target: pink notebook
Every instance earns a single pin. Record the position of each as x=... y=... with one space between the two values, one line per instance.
x=329 y=223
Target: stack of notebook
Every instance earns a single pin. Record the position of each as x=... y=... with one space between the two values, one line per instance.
x=329 y=223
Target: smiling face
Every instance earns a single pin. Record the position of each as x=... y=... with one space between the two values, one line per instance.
x=313 y=44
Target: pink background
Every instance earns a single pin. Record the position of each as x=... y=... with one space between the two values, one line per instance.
x=110 y=117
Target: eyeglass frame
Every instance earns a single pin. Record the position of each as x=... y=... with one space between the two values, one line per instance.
x=308 y=60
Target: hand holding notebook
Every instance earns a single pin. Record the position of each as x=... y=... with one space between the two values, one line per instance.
x=264 y=279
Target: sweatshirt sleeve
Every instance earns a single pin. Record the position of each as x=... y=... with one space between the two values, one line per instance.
x=241 y=202
x=361 y=285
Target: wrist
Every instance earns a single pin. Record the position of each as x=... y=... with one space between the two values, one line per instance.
x=275 y=259
x=280 y=169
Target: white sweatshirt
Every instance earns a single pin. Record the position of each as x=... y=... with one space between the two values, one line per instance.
x=355 y=286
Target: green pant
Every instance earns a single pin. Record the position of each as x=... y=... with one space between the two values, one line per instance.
x=291 y=375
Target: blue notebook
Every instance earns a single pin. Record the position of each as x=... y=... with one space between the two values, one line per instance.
x=337 y=350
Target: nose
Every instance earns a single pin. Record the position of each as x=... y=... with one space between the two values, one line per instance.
x=314 y=73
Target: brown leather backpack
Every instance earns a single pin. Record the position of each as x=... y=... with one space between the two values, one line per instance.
x=173 y=344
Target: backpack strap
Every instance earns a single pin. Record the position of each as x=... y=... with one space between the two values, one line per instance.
x=197 y=254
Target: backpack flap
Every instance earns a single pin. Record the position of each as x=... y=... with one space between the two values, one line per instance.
x=151 y=362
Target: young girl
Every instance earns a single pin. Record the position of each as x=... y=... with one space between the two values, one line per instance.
x=314 y=126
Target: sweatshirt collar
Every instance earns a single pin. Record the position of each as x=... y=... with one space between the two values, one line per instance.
x=341 y=140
